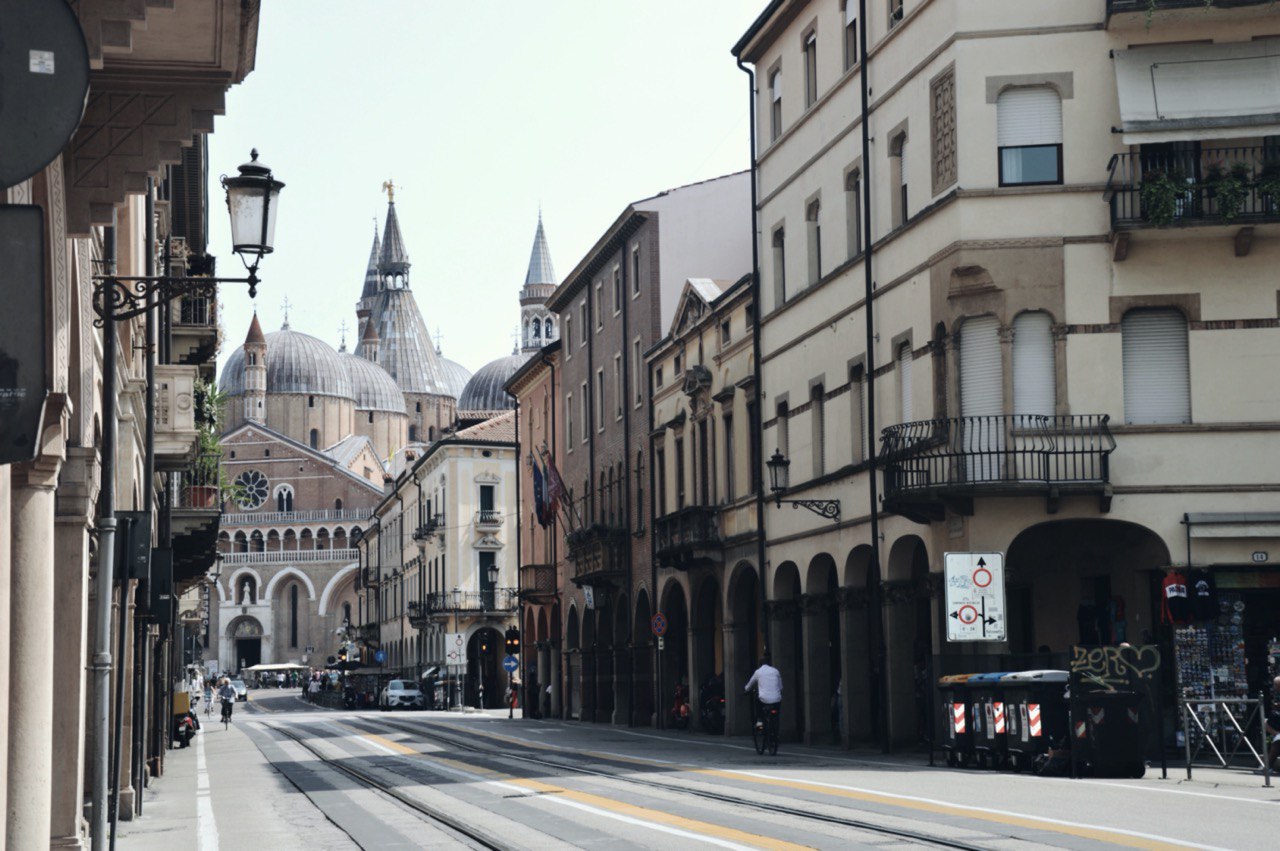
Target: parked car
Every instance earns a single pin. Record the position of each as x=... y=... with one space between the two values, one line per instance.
x=400 y=694
x=242 y=690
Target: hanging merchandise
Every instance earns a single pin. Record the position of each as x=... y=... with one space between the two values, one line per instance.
x=1175 y=605
x=1204 y=600
x=1210 y=656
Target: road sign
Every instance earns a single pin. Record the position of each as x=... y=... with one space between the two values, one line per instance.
x=380 y=657
x=658 y=623
x=975 y=596
x=510 y=664
x=662 y=643
x=455 y=648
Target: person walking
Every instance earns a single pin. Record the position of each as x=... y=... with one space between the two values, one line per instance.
x=313 y=690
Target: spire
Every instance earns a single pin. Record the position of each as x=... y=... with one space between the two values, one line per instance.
x=394 y=260
x=540 y=271
x=255 y=334
x=371 y=271
x=369 y=341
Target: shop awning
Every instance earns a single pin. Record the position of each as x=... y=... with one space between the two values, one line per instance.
x=1188 y=92
x=1255 y=524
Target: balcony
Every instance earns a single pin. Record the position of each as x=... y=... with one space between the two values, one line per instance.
x=488 y=518
x=194 y=321
x=1142 y=7
x=598 y=554
x=1231 y=187
x=688 y=538
x=538 y=583
x=933 y=465
x=370 y=576
x=290 y=556
x=369 y=634
x=197 y=510
x=272 y=518
x=442 y=605
x=424 y=532
x=175 y=419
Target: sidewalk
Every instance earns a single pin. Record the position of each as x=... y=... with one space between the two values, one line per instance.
x=222 y=792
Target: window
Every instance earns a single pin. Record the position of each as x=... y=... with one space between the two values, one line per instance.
x=311 y=401
x=850 y=33
x=600 y=399
x=679 y=473
x=817 y=418
x=779 y=267
x=617 y=289
x=753 y=459
x=727 y=421
x=750 y=316
x=1157 y=382
x=639 y=491
x=898 y=174
x=981 y=372
x=1034 y=376
x=371 y=416
x=599 y=300
x=1029 y=136
x=315 y=438
x=293 y=615
x=813 y=230
x=568 y=335
x=585 y=411
x=635 y=270
x=417 y=407
x=906 y=409
x=413 y=433
x=657 y=376
x=775 y=105
x=660 y=468
x=810 y=69
x=486 y=499
x=677 y=364
x=784 y=429
x=337 y=505
x=725 y=336
x=895 y=13
x=617 y=386
x=858 y=413
x=702 y=488
x=582 y=314
x=548 y=330
x=853 y=211
x=637 y=364
x=568 y=420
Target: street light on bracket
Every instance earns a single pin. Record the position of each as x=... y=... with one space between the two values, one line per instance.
x=779 y=472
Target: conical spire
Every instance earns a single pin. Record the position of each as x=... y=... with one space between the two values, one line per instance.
x=540 y=271
x=255 y=334
x=395 y=258
x=371 y=271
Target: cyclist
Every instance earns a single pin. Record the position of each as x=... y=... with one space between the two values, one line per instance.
x=208 y=696
x=767 y=681
x=226 y=694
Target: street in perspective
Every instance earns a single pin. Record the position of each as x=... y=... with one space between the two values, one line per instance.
x=732 y=423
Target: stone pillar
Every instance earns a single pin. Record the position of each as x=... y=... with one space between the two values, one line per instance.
x=76 y=494
x=817 y=686
x=782 y=616
x=899 y=627
x=737 y=708
x=5 y=544
x=556 y=681
x=855 y=661
x=127 y=682
x=30 y=757
x=622 y=686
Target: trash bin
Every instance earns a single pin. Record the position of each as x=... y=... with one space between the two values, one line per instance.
x=958 y=738
x=990 y=737
x=1035 y=714
x=1110 y=731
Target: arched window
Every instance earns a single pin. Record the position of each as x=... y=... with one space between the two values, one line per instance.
x=1034 y=376
x=315 y=438
x=817 y=416
x=241 y=543
x=284 y=498
x=413 y=433
x=1029 y=135
x=548 y=328
x=337 y=504
x=981 y=375
x=431 y=433
x=256 y=543
x=293 y=615
x=1157 y=379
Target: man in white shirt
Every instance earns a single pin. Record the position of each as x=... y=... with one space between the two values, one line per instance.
x=767 y=681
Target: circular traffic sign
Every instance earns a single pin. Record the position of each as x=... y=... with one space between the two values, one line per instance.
x=982 y=577
x=510 y=664
x=380 y=657
x=968 y=614
x=658 y=624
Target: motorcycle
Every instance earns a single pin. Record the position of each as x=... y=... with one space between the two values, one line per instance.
x=184 y=727
x=711 y=705
x=680 y=710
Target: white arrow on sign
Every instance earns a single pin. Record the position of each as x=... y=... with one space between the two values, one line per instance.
x=975 y=599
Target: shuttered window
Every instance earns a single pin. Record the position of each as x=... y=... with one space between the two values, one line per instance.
x=1157 y=380
x=905 y=405
x=981 y=433
x=1033 y=371
x=1029 y=136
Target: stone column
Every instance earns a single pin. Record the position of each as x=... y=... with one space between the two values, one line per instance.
x=737 y=709
x=855 y=697
x=899 y=627
x=782 y=615
x=30 y=758
x=76 y=494
x=817 y=686
x=128 y=681
x=556 y=681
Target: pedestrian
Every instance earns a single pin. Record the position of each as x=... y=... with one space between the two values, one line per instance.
x=314 y=690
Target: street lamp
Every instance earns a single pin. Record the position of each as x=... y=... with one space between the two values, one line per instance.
x=779 y=474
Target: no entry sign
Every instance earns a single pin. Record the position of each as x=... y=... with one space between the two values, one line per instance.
x=975 y=596
x=658 y=623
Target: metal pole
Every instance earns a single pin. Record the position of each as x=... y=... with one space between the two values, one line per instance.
x=101 y=667
x=1186 y=738
x=117 y=734
x=140 y=653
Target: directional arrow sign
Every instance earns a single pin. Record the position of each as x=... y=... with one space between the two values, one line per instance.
x=975 y=596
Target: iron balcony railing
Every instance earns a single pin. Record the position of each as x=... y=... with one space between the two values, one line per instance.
x=597 y=551
x=1239 y=185
x=1014 y=451
x=199 y=487
x=446 y=603
x=426 y=530
x=679 y=535
x=1119 y=7
x=538 y=580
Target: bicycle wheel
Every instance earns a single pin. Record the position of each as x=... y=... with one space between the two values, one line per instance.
x=758 y=736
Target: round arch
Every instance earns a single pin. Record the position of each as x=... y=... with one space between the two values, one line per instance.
x=331 y=587
x=290 y=571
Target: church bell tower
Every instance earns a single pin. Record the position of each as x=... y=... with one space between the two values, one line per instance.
x=255 y=374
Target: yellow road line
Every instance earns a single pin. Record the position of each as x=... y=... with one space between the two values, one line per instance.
x=599 y=801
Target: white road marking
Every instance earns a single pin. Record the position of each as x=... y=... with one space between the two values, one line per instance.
x=206 y=827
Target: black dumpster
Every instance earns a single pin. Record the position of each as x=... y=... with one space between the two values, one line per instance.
x=956 y=714
x=1035 y=714
x=990 y=736
x=1109 y=733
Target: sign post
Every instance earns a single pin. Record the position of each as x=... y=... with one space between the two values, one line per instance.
x=975 y=596
x=455 y=655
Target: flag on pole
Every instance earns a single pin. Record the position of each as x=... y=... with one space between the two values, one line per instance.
x=539 y=495
x=555 y=488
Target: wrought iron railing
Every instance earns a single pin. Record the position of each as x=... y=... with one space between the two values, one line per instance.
x=1235 y=185
x=426 y=530
x=197 y=310
x=1118 y=7
x=1013 y=449
x=199 y=487
x=597 y=549
x=441 y=603
x=690 y=527
x=538 y=579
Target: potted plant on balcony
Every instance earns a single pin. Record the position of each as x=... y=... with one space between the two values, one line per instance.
x=1228 y=187
x=205 y=485
x=1163 y=194
x=1267 y=185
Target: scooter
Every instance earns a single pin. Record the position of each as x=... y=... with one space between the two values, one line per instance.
x=711 y=715
x=184 y=727
x=680 y=710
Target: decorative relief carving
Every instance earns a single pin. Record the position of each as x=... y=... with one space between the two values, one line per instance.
x=943 y=121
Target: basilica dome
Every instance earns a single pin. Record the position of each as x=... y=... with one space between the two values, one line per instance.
x=296 y=363
x=484 y=391
x=456 y=376
x=372 y=388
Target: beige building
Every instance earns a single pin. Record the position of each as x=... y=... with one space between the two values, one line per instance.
x=1073 y=322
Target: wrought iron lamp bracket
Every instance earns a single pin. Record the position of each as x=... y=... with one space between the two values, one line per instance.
x=132 y=296
x=828 y=508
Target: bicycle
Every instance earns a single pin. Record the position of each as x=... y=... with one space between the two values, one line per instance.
x=226 y=714
x=765 y=731
x=208 y=704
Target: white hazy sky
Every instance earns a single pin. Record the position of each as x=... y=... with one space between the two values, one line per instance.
x=479 y=111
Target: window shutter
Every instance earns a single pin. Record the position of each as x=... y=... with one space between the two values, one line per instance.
x=904 y=382
x=1157 y=385
x=1031 y=116
x=1034 y=389
x=981 y=376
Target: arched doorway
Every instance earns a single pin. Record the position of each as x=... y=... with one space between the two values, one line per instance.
x=786 y=643
x=484 y=664
x=822 y=647
x=642 y=662
x=673 y=659
x=908 y=623
x=745 y=646
x=708 y=645
x=245 y=634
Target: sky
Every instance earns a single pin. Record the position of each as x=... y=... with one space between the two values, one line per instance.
x=481 y=113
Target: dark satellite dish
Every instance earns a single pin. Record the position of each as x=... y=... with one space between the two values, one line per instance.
x=44 y=80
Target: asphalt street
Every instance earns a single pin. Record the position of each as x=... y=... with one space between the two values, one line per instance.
x=289 y=775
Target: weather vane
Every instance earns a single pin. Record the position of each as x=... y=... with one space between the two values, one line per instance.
x=389 y=187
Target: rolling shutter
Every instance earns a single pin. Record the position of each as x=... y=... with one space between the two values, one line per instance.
x=981 y=378
x=904 y=383
x=1033 y=373
x=1157 y=385
x=1031 y=116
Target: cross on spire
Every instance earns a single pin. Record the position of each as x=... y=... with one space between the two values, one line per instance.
x=342 y=329
x=439 y=340
x=284 y=308
x=389 y=187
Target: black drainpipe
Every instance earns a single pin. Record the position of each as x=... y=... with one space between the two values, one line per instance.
x=627 y=408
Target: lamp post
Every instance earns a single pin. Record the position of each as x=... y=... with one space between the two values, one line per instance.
x=251 y=202
x=779 y=473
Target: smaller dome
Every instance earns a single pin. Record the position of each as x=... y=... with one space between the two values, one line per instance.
x=456 y=376
x=374 y=389
x=484 y=391
x=296 y=363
